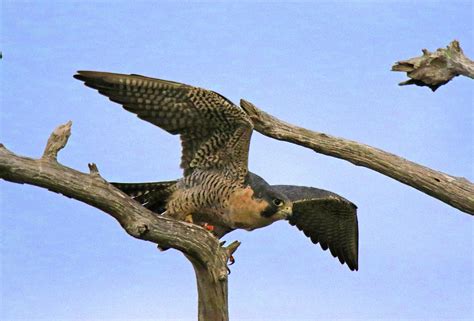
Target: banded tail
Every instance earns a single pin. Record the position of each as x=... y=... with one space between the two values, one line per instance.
x=153 y=195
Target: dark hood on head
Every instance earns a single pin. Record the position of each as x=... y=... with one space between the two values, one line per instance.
x=258 y=184
x=263 y=190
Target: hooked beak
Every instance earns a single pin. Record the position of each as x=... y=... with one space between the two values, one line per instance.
x=287 y=211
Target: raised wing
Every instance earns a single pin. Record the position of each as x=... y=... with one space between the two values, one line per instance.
x=214 y=132
x=326 y=218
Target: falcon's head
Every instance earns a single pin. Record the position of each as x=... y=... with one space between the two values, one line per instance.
x=279 y=205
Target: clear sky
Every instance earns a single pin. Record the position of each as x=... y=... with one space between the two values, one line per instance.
x=321 y=65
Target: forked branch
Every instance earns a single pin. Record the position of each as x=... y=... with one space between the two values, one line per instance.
x=208 y=257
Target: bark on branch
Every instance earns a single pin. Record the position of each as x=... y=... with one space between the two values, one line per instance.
x=208 y=257
x=434 y=69
x=455 y=191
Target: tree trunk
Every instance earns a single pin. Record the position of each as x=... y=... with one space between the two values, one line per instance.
x=212 y=293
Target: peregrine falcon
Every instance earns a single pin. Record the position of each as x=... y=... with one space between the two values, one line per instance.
x=217 y=189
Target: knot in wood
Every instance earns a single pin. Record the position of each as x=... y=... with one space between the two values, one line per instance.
x=138 y=230
x=223 y=276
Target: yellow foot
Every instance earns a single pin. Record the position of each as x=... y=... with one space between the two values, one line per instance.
x=189 y=218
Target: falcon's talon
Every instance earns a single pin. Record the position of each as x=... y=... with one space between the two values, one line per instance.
x=209 y=227
x=231 y=260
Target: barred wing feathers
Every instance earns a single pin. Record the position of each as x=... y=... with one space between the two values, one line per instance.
x=326 y=218
x=215 y=133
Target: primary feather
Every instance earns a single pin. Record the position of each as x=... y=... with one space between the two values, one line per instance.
x=326 y=218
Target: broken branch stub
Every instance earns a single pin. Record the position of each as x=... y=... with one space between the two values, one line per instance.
x=57 y=140
x=435 y=69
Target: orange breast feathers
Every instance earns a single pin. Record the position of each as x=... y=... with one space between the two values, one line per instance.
x=242 y=201
x=244 y=210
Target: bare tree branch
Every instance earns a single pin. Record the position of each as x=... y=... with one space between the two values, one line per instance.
x=455 y=191
x=435 y=69
x=208 y=257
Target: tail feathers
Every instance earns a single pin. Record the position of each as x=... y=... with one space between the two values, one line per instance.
x=153 y=195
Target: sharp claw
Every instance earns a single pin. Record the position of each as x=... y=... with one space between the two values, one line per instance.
x=232 y=261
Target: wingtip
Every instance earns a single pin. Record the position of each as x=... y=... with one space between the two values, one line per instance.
x=353 y=266
x=353 y=262
x=88 y=74
x=95 y=79
x=85 y=72
x=83 y=75
x=78 y=76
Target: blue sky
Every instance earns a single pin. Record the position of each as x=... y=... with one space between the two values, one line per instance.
x=321 y=65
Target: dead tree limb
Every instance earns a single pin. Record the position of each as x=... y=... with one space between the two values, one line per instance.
x=435 y=69
x=208 y=257
x=455 y=191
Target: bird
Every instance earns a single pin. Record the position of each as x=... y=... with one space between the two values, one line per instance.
x=217 y=190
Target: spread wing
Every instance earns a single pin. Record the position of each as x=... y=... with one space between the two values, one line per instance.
x=326 y=218
x=214 y=132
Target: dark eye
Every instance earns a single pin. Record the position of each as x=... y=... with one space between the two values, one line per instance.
x=277 y=202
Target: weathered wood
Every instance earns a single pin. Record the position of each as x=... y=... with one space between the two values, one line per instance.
x=212 y=286
x=57 y=140
x=455 y=191
x=435 y=69
x=205 y=252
